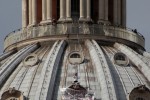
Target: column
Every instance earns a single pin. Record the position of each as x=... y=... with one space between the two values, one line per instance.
x=34 y=12
x=44 y=10
x=68 y=10
x=30 y=12
x=88 y=10
x=82 y=10
x=24 y=13
x=106 y=10
x=62 y=10
x=115 y=14
x=124 y=13
x=49 y=10
x=101 y=11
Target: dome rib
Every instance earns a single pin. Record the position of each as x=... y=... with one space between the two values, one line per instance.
x=13 y=61
x=103 y=73
x=49 y=71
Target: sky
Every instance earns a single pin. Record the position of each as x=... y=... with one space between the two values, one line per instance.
x=138 y=15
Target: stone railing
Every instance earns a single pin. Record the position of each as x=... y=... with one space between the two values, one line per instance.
x=60 y=29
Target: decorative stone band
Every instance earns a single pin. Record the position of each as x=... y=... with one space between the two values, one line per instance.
x=59 y=30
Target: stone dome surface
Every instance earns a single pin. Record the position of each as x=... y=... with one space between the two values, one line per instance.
x=74 y=50
x=52 y=74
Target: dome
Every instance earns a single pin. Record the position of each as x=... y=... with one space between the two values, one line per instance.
x=74 y=58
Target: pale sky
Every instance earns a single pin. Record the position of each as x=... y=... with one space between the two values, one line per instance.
x=137 y=18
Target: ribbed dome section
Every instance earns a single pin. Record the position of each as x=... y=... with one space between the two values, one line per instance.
x=74 y=50
x=73 y=69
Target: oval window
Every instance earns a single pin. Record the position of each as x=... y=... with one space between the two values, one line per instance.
x=31 y=60
x=75 y=57
x=121 y=59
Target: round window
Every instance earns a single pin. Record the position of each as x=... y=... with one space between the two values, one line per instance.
x=121 y=59
x=75 y=57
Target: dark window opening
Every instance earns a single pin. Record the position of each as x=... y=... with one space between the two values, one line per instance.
x=12 y=98
x=120 y=57
x=75 y=55
x=94 y=10
x=110 y=10
x=122 y=12
x=30 y=58
x=55 y=10
x=75 y=9
x=58 y=9
x=39 y=11
x=139 y=98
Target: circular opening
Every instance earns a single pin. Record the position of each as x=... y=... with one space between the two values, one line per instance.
x=121 y=59
x=75 y=57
